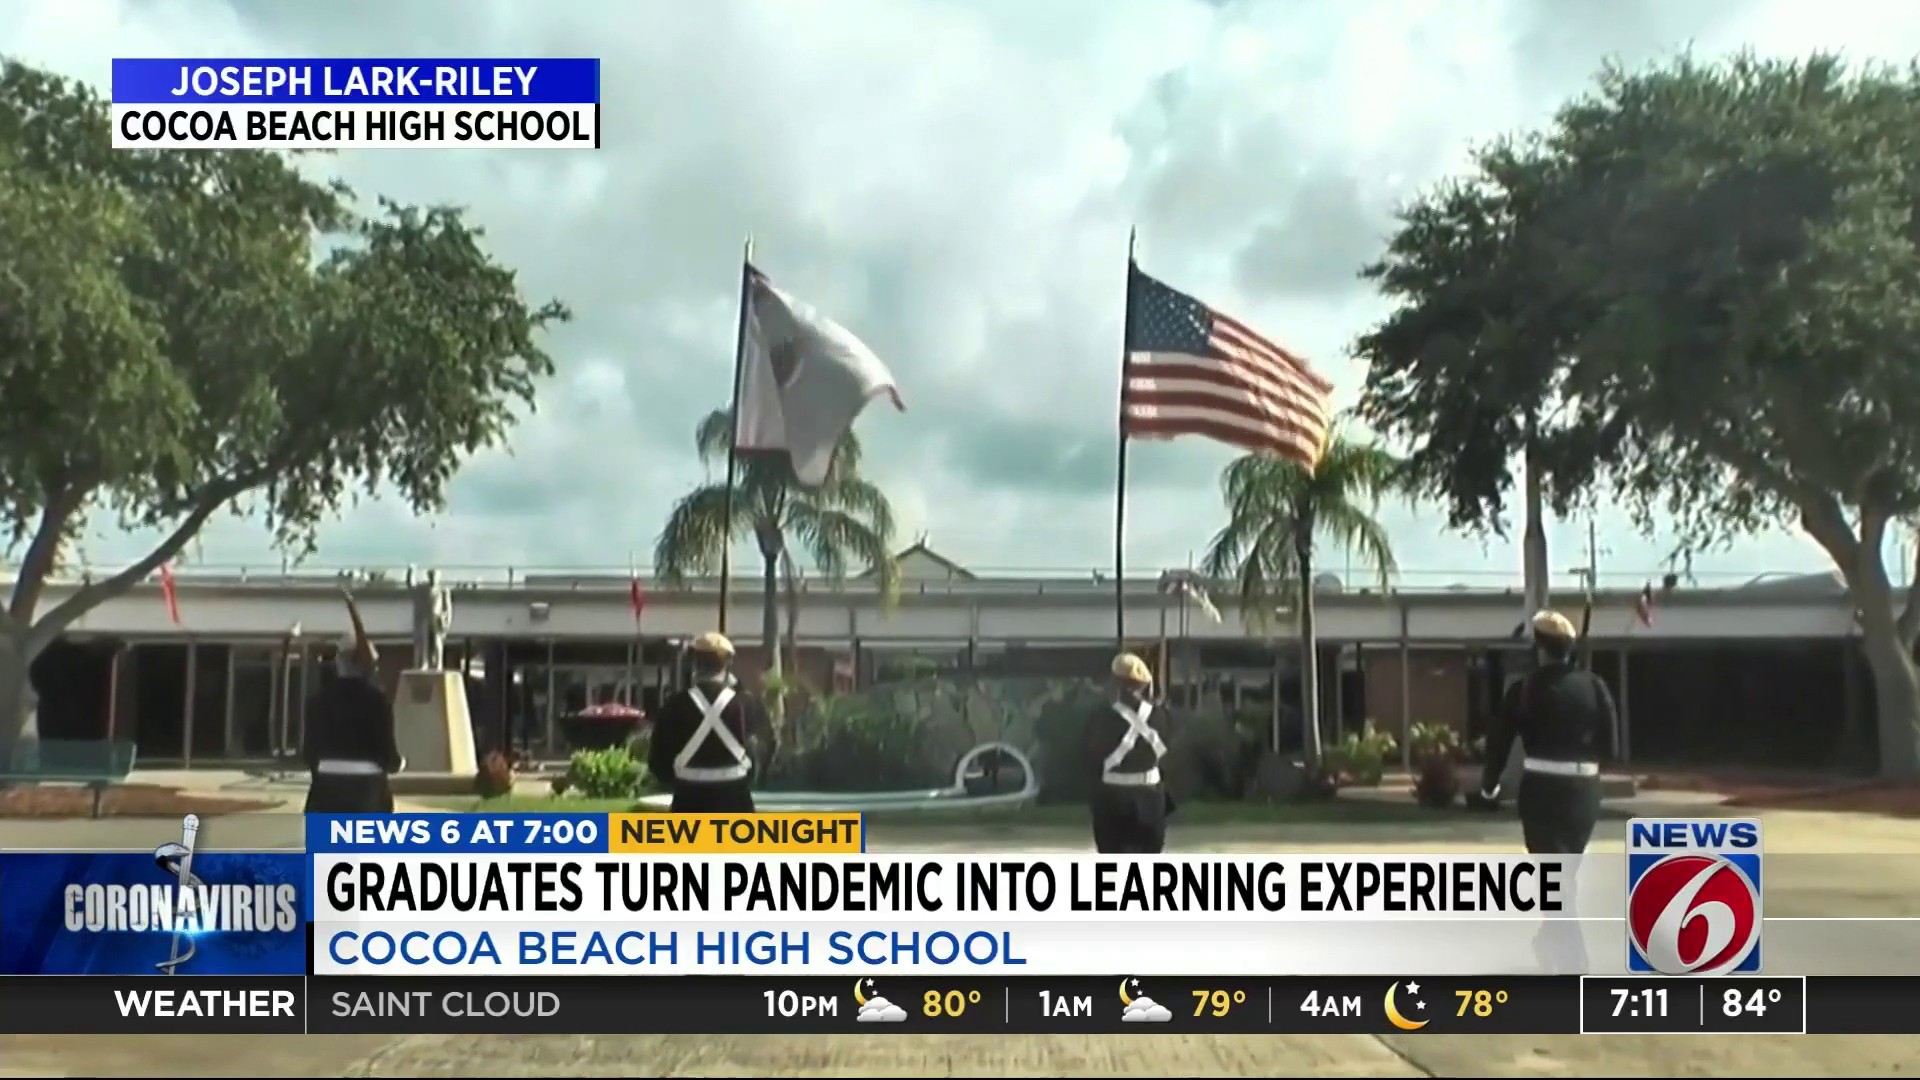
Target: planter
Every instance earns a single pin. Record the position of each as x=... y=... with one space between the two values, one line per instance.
x=1437 y=783
x=601 y=727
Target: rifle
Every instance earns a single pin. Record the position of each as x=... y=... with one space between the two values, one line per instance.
x=362 y=645
x=1586 y=626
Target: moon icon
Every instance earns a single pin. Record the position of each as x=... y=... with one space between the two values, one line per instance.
x=859 y=995
x=1125 y=998
x=1394 y=1015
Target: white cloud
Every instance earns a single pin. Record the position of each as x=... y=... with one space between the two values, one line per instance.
x=1145 y=1010
x=880 y=1011
x=954 y=182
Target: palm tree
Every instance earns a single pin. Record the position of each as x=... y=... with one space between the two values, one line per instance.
x=1276 y=509
x=846 y=522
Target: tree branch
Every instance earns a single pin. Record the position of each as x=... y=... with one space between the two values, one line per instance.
x=42 y=551
x=91 y=595
x=1909 y=624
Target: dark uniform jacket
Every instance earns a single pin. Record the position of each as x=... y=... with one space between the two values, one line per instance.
x=678 y=720
x=1560 y=712
x=1106 y=729
x=349 y=719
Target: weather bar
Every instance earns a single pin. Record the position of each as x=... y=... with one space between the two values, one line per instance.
x=1372 y=1005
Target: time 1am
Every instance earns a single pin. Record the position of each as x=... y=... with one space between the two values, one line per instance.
x=1650 y=1001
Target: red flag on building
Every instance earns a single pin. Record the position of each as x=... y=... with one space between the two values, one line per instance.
x=1643 y=607
x=167 y=593
x=637 y=597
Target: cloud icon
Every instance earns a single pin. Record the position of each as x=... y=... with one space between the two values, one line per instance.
x=881 y=1011
x=1145 y=1010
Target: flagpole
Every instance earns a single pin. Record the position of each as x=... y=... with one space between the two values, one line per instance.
x=733 y=433
x=1120 y=474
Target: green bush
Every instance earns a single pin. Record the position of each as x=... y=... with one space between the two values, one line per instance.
x=1361 y=757
x=847 y=743
x=1429 y=741
x=613 y=773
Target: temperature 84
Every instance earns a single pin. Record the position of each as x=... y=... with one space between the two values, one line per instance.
x=1736 y=1003
x=1217 y=1002
x=949 y=1003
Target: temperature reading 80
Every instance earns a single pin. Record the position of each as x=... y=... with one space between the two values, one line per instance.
x=1735 y=1003
x=951 y=1003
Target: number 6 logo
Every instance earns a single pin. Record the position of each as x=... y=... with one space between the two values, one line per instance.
x=1694 y=915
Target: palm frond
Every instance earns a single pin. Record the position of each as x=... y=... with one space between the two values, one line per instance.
x=863 y=499
x=1357 y=531
x=713 y=437
x=1272 y=501
x=696 y=533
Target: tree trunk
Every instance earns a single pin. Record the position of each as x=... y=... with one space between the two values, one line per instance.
x=1896 y=695
x=18 y=720
x=792 y=575
x=1536 y=576
x=1310 y=749
x=770 y=609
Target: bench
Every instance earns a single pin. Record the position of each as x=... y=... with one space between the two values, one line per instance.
x=97 y=763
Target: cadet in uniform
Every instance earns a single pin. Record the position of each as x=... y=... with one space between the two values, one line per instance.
x=349 y=743
x=1124 y=748
x=1564 y=717
x=701 y=737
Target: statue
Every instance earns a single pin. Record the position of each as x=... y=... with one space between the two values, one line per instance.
x=432 y=619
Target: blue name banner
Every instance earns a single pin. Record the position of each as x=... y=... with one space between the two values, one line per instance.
x=124 y=913
x=414 y=834
x=539 y=80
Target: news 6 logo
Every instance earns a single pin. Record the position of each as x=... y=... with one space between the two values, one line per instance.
x=1693 y=896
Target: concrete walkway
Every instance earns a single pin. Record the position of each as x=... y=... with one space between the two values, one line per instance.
x=1855 y=875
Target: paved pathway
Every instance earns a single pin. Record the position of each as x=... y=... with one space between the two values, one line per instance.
x=1863 y=873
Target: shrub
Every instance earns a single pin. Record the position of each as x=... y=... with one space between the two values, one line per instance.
x=605 y=774
x=495 y=776
x=1434 y=741
x=1361 y=757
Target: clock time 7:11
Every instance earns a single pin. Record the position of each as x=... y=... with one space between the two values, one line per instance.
x=1648 y=1001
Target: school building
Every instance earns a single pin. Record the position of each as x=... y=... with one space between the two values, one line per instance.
x=1765 y=674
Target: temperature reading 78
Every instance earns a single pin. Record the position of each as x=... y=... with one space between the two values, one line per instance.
x=1734 y=1002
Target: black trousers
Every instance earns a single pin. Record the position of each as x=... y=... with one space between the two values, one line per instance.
x=342 y=793
x=735 y=797
x=1557 y=813
x=1130 y=820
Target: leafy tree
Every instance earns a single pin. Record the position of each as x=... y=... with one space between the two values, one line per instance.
x=1277 y=509
x=186 y=332
x=1468 y=370
x=846 y=522
x=1742 y=241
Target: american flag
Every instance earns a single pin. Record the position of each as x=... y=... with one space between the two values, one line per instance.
x=1194 y=371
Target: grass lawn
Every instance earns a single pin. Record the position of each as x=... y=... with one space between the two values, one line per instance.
x=1337 y=811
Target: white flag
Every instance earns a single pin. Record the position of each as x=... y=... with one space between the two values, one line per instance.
x=804 y=380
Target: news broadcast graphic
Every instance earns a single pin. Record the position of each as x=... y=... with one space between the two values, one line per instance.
x=1407 y=1003
x=548 y=103
x=1187 y=1005
x=1722 y=1005
x=172 y=911
x=1693 y=896
x=796 y=893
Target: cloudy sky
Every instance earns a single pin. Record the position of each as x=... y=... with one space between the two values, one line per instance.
x=954 y=180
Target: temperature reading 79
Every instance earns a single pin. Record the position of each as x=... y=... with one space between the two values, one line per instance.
x=1735 y=1003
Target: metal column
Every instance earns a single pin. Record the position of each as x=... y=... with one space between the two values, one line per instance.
x=1406 y=688
x=186 y=715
